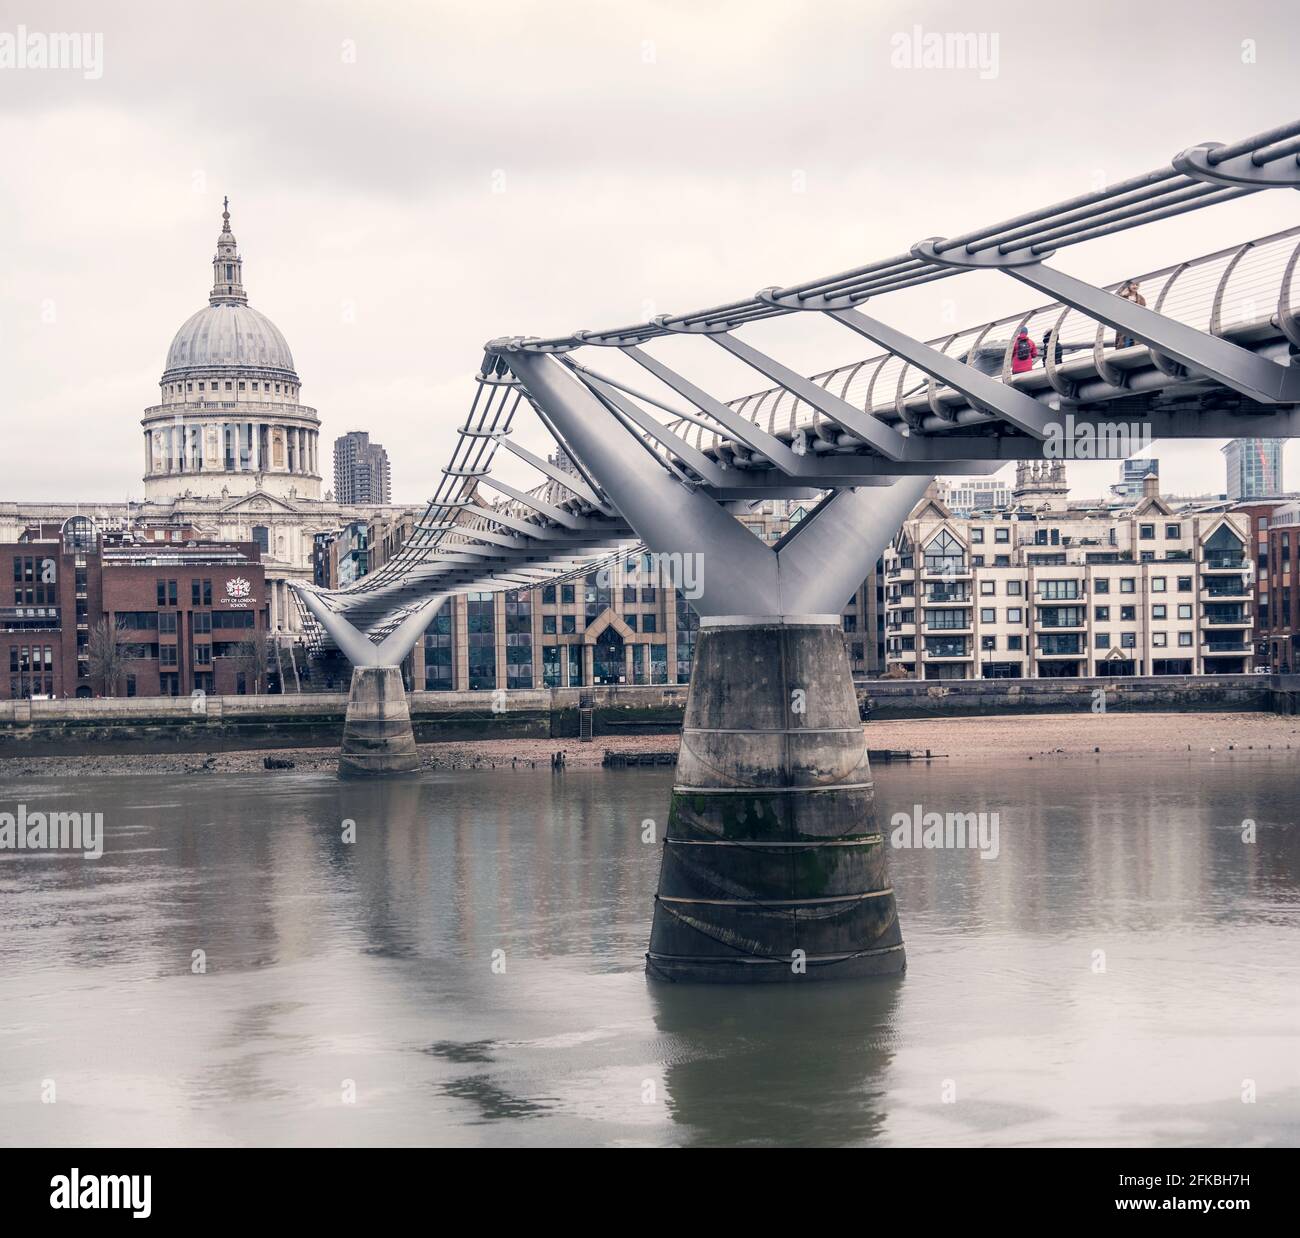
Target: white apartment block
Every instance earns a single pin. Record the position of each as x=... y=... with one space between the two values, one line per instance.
x=1041 y=593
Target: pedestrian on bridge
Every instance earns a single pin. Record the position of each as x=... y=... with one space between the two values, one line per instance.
x=1129 y=290
x=1023 y=352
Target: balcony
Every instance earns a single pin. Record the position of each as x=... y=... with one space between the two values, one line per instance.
x=1062 y=618
x=1225 y=649
x=1237 y=619
x=949 y=629
x=946 y=568
x=947 y=597
x=954 y=649
x=1061 y=647
x=1226 y=591
x=1223 y=562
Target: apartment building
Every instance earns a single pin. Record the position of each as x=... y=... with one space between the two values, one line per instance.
x=1044 y=591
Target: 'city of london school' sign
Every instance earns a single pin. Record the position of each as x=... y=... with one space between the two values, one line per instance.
x=238 y=593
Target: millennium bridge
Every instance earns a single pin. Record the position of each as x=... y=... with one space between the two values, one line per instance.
x=773 y=866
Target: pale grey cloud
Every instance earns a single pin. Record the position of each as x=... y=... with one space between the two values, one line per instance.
x=649 y=155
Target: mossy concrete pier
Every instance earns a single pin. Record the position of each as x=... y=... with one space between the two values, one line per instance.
x=773 y=867
x=377 y=734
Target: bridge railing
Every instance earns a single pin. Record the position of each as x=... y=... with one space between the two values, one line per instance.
x=1233 y=291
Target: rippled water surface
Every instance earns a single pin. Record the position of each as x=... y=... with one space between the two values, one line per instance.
x=1124 y=971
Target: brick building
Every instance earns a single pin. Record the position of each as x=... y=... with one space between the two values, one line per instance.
x=1280 y=628
x=189 y=614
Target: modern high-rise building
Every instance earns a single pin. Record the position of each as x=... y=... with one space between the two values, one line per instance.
x=361 y=470
x=1254 y=467
x=1133 y=473
x=966 y=495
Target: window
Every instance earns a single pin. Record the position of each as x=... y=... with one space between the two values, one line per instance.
x=649 y=623
x=1101 y=614
x=568 y=624
x=1101 y=584
x=1157 y=584
x=566 y=594
x=1184 y=638
x=977 y=537
x=1015 y=614
x=1184 y=611
x=202 y=655
x=988 y=642
x=1128 y=640
x=548 y=625
x=167 y=622
x=548 y=597
x=1015 y=642
x=203 y=621
x=1146 y=532
x=1173 y=531
x=1059 y=589
x=1128 y=614
x=1159 y=612
x=1101 y=640
x=1014 y=588
x=1128 y=584
x=1160 y=639
x=988 y=588
x=1184 y=584
x=988 y=615
x=1002 y=536
x=944 y=555
x=166 y=655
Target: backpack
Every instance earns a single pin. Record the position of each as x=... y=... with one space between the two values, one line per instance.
x=1022 y=348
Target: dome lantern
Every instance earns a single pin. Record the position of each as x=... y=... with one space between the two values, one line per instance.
x=227 y=266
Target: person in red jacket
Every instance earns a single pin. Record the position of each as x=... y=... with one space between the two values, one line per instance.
x=1023 y=352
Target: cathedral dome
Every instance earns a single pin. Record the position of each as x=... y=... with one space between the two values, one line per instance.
x=229 y=334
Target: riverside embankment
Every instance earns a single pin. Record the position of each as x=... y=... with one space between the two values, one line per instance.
x=159 y=726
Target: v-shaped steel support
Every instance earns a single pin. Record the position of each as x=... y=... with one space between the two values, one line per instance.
x=357 y=647
x=813 y=572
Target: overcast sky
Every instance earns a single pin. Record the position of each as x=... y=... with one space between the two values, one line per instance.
x=409 y=180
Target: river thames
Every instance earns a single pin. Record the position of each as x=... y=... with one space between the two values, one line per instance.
x=469 y=969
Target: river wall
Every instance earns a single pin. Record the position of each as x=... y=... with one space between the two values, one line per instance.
x=220 y=723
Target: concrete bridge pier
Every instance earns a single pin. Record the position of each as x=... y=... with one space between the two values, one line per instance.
x=377 y=734
x=377 y=737
x=774 y=868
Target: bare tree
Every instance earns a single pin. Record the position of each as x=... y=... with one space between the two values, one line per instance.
x=251 y=657
x=106 y=656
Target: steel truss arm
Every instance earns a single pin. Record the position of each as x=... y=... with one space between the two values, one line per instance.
x=735 y=569
x=871 y=430
x=740 y=428
x=1216 y=358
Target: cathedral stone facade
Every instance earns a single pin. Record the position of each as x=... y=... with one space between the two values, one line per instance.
x=229 y=451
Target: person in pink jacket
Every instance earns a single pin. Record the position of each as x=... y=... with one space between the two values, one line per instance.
x=1023 y=352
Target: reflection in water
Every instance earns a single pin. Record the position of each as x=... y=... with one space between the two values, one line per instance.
x=470 y=968
x=775 y=1063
